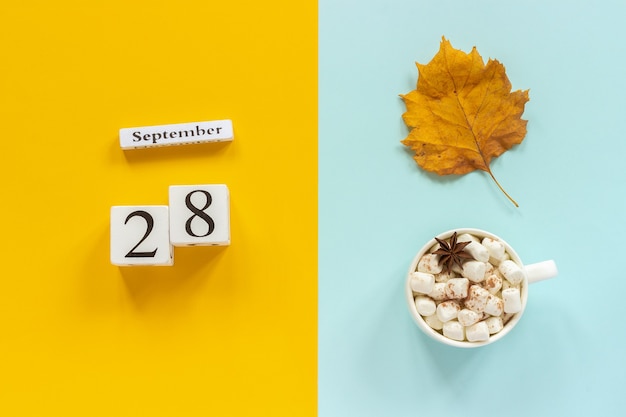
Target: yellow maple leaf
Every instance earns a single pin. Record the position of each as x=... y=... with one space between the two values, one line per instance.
x=462 y=113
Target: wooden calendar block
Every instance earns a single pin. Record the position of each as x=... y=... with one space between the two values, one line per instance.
x=176 y=134
x=140 y=236
x=199 y=215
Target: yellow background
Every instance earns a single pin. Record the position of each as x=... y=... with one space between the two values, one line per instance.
x=226 y=330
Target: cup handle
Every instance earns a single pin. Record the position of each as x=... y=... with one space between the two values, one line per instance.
x=541 y=270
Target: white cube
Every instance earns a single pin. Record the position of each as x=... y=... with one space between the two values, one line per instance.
x=140 y=236
x=199 y=215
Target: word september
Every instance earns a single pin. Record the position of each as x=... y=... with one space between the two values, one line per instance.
x=176 y=134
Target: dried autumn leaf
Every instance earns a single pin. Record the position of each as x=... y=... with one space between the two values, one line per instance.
x=462 y=113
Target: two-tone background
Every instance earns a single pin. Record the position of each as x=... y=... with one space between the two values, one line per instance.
x=304 y=313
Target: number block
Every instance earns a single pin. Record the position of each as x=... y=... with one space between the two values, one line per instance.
x=140 y=236
x=176 y=134
x=199 y=215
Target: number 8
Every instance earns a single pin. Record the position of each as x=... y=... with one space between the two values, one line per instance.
x=199 y=215
x=199 y=212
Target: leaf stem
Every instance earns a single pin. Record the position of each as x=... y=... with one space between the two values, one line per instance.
x=500 y=187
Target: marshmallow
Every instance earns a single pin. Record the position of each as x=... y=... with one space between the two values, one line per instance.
x=493 y=283
x=429 y=263
x=512 y=300
x=506 y=317
x=506 y=284
x=468 y=317
x=496 y=250
x=456 y=288
x=494 y=305
x=474 y=270
x=444 y=276
x=434 y=322
x=494 y=324
x=439 y=292
x=454 y=330
x=477 y=298
x=478 y=332
x=488 y=269
x=466 y=237
x=511 y=271
x=422 y=282
x=448 y=310
x=478 y=251
x=425 y=305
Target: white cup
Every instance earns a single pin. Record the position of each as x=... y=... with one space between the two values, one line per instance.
x=532 y=273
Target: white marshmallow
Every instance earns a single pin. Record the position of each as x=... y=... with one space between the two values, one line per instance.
x=466 y=237
x=448 y=310
x=454 y=330
x=478 y=251
x=506 y=284
x=468 y=317
x=493 y=283
x=511 y=271
x=425 y=305
x=444 y=276
x=434 y=322
x=478 y=332
x=512 y=300
x=488 y=270
x=434 y=248
x=477 y=298
x=506 y=317
x=494 y=305
x=439 y=291
x=422 y=282
x=456 y=288
x=474 y=270
x=494 y=324
x=496 y=250
x=429 y=263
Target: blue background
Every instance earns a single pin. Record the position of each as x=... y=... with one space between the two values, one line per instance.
x=376 y=208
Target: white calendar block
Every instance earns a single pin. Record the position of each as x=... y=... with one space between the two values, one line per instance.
x=140 y=236
x=176 y=134
x=199 y=215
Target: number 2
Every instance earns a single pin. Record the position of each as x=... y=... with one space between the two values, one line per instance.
x=149 y=226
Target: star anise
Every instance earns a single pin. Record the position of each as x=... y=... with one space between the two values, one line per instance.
x=452 y=253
